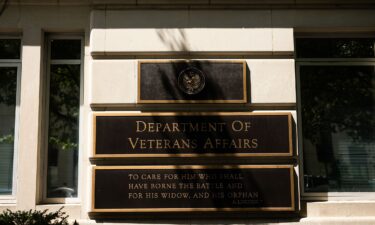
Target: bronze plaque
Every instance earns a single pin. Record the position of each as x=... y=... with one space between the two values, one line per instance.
x=192 y=134
x=192 y=81
x=193 y=188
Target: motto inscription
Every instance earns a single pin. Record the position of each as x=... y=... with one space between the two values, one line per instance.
x=182 y=188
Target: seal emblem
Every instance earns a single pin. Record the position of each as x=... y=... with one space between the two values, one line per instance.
x=191 y=80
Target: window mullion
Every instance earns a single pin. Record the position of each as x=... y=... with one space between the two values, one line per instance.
x=64 y=61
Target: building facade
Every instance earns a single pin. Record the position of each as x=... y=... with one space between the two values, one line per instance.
x=65 y=63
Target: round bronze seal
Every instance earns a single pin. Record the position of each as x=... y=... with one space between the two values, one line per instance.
x=191 y=80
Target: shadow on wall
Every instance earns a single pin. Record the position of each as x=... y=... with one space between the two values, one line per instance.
x=166 y=19
x=175 y=39
x=234 y=18
x=169 y=26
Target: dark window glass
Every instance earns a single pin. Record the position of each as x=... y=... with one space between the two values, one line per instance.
x=335 y=47
x=66 y=49
x=8 y=92
x=338 y=125
x=10 y=49
x=63 y=130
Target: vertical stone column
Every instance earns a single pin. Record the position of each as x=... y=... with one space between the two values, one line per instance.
x=30 y=119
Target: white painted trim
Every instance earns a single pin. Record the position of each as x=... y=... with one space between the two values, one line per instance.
x=12 y=198
x=48 y=63
x=325 y=196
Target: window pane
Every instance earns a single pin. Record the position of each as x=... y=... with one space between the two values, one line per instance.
x=335 y=47
x=63 y=131
x=8 y=90
x=66 y=49
x=10 y=48
x=338 y=120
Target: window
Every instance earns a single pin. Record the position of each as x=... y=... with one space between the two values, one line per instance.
x=10 y=56
x=64 y=67
x=336 y=108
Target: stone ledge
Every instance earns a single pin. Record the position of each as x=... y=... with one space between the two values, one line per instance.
x=208 y=3
x=334 y=221
x=304 y=221
x=340 y=209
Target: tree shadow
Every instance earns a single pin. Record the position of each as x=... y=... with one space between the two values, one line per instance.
x=176 y=40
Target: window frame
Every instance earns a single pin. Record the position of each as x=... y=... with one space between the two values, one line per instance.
x=15 y=63
x=334 y=196
x=48 y=63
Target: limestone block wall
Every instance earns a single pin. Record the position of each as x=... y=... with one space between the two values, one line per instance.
x=116 y=39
